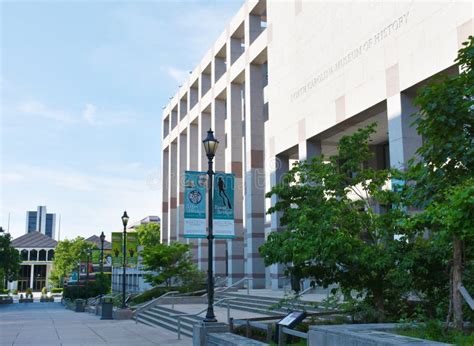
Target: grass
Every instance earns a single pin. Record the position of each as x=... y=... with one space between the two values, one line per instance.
x=434 y=330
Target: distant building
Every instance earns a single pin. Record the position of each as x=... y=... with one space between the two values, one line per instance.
x=40 y=221
x=36 y=254
x=146 y=221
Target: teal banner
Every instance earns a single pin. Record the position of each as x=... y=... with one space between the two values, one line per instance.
x=195 y=184
x=223 y=208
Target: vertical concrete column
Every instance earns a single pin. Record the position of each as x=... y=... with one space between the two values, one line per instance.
x=165 y=197
x=182 y=151
x=218 y=115
x=234 y=165
x=308 y=150
x=204 y=126
x=280 y=168
x=32 y=275
x=254 y=173
x=192 y=164
x=173 y=182
x=403 y=138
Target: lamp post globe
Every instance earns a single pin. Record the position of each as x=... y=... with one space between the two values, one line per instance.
x=124 y=279
x=210 y=146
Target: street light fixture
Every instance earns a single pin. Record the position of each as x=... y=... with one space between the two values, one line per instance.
x=124 y=222
x=210 y=145
x=89 y=254
x=102 y=239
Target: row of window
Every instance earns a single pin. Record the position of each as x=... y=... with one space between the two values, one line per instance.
x=34 y=255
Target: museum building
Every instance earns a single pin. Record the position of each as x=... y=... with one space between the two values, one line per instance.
x=284 y=82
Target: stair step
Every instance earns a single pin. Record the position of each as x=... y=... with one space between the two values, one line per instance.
x=169 y=326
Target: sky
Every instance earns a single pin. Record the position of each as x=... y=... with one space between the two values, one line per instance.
x=82 y=87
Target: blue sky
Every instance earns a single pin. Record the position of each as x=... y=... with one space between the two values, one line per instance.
x=82 y=87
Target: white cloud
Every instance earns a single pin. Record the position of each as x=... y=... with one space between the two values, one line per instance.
x=89 y=114
x=39 y=109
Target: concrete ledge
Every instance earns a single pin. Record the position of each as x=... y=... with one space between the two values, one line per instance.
x=376 y=334
x=122 y=314
x=229 y=339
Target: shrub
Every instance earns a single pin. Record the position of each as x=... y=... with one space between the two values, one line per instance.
x=44 y=291
x=56 y=290
x=15 y=292
x=101 y=285
x=29 y=292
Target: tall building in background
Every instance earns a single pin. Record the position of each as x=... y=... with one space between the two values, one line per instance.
x=41 y=221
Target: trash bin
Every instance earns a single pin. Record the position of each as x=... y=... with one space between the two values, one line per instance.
x=107 y=308
x=79 y=305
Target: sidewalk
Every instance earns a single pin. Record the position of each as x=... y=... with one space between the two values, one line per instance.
x=51 y=324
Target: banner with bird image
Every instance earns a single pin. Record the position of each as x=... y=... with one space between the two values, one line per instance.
x=223 y=206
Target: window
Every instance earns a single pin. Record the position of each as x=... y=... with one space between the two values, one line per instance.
x=24 y=255
x=42 y=255
x=33 y=255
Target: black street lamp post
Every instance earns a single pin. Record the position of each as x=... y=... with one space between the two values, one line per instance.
x=124 y=222
x=210 y=145
x=89 y=252
x=102 y=238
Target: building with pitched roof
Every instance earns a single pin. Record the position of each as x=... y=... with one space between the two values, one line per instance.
x=37 y=254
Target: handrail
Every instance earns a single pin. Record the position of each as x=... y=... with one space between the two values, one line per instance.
x=200 y=312
x=235 y=284
x=306 y=290
x=151 y=304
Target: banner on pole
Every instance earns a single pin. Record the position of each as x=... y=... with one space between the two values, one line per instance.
x=223 y=208
x=195 y=204
x=117 y=249
x=132 y=253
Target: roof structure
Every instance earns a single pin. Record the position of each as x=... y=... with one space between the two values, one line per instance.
x=34 y=240
x=96 y=240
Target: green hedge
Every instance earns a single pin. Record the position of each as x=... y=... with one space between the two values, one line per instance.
x=101 y=285
x=56 y=290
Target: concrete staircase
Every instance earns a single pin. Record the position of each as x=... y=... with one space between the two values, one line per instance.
x=264 y=305
x=159 y=316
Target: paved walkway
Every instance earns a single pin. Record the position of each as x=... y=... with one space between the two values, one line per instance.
x=51 y=324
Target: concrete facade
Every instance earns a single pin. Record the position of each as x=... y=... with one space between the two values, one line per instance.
x=284 y=82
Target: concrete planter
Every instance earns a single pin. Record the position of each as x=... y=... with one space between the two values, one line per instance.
x=122 y=314
x=6 y=300
x=26 y=300
x=376 y=334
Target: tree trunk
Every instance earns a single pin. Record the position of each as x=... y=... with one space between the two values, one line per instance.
x=379 y=303
x=457 y=272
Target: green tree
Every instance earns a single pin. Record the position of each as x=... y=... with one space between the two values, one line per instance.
x=9 y=260
x=343 y=226
x=149 y=234
x=444 y=172
x=172 y=264
x=66 y=257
